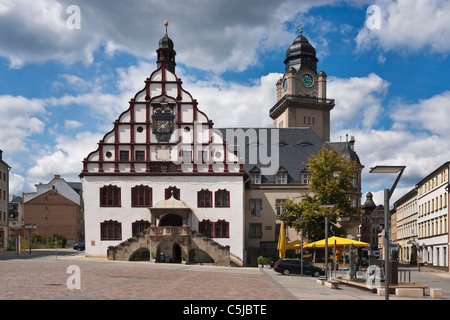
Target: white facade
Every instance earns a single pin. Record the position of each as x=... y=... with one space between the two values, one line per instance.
x=189 y=186
x=432 y=219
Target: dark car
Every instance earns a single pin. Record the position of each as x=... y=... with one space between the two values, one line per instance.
x=79 y=246
x=288 y=266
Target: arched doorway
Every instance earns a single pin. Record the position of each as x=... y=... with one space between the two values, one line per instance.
x=199 y=256
x=169 y=252
x=173 y=220
x=176 y=253
x=142 y=254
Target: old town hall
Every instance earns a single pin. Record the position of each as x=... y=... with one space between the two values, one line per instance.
x=165 y=184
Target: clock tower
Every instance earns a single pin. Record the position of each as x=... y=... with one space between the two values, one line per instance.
x=302 y=92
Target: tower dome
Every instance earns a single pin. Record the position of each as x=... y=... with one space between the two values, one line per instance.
x=301 y=55
x=166 y=52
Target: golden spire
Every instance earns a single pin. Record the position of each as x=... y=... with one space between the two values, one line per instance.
x=166 y=23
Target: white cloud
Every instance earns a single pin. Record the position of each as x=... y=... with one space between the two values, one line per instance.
x=72 y=124
x=236 y=105
x=431 y=114
x=65 y=158
x=20 y=118
x=358 y=101
x=410 y=25
x=218 y=36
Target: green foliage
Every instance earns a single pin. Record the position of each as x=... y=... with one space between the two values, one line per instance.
x=330 y=183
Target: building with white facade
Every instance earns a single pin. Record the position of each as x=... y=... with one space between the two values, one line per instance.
x=432 y=221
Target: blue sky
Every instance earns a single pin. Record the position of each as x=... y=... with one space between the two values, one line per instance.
x=61 y=87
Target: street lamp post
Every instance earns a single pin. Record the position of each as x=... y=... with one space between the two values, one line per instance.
x=301 y=249
x=30 y=227
x=387 y=196
x=327 y=220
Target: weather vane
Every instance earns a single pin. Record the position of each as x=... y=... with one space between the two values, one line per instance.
x=301 y=29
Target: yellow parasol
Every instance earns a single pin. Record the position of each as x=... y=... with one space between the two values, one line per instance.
x=340 y=242
x=282 y=242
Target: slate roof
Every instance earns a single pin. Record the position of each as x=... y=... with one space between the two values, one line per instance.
x=295 y=147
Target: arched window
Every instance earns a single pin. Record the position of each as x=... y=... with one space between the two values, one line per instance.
x=139 y=226
x=141 y=196
x=205 y=227
x=222 y=198
x=204 y=199
x=110 y=196
x=175 y=190
x=111 y=230
x=221 y=229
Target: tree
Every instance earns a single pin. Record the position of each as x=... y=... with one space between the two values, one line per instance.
x=331 y=182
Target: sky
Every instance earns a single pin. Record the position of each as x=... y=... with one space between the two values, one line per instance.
x=68 y=69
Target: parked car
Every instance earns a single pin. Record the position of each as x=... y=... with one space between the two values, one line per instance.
x=79 y=246
x=288 y=266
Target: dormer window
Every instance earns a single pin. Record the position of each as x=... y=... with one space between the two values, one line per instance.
x=282 y=176
x=255 y=176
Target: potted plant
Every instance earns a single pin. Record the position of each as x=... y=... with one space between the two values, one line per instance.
x=183 y=258
x=153 y=255
x=261 y=261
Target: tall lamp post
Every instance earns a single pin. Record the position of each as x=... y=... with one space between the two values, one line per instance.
x=301 y=252
x=327 y=220
x=30 y=227
x=387 y=196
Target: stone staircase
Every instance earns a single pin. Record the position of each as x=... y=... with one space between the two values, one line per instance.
x=149 y=240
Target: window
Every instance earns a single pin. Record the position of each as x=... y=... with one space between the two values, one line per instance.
x=221 y=229
x=202 y=156
x=124 y=155
x=139 y=226
x=204 y=199
x=140 y=155
x=222 y=198
x=187 y=156
x=110 y=196
x=255 y=230
x=141 y=196
x=172 y=190
x=282 y=178
x=111 y=230
x=205 y=227
x=279 y=206
x=255 y=175
x=306 y=177
x=255 y=207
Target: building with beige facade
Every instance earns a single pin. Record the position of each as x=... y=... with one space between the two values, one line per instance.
x=406 y=226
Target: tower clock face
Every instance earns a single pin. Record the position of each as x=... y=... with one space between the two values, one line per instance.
x=285 y=84
x=307 y=80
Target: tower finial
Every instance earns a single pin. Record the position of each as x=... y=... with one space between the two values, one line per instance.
x=166 y=23
x=301 y=29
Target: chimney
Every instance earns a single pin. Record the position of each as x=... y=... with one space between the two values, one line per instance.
x=352 y=143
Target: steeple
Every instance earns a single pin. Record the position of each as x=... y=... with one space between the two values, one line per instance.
x=166 y=52
x=301 y=55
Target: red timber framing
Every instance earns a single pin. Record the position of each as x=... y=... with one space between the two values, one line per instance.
x=112 y=145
